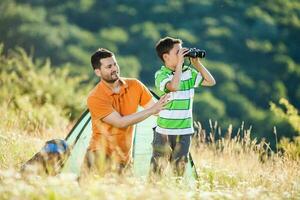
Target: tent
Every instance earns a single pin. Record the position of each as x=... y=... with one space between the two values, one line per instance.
x=79 y=138
x=78 y=141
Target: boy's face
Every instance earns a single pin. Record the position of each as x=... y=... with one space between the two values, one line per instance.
x=171 y=58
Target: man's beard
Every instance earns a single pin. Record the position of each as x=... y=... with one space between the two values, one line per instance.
x=111 y=79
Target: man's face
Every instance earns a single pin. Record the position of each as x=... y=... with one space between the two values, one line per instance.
x=109 y=70
x=171 y=58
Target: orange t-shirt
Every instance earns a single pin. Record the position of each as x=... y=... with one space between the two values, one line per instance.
x=102 y=101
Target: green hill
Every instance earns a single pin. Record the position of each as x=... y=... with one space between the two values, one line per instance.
x=252 y=47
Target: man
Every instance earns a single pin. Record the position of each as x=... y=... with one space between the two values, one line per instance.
x=113 y=105
x=172 y=135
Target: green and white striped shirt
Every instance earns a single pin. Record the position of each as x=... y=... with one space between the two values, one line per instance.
x=177 y=117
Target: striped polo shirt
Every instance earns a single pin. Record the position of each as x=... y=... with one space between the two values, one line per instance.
x=177 y=117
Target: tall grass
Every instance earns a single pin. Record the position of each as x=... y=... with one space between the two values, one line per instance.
x=242 y=164
x=230 y=166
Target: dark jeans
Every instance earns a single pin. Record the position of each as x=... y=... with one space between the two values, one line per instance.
x=170 y=148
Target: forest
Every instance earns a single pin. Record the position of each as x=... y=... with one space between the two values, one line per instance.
x=252 y=51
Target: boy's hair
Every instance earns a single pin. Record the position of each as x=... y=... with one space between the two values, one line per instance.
x=164 y=45
x=98 y=55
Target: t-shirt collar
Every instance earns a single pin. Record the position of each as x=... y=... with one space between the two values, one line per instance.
x=168 y=70
x=109 y=91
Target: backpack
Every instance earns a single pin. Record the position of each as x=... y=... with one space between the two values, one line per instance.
x=50 y=159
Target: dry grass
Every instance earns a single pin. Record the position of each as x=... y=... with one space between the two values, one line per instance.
x=242 y=164
x=229 y=168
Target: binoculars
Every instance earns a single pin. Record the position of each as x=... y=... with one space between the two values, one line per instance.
x=194 y=53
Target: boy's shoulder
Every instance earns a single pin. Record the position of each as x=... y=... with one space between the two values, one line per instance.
x=163 y=70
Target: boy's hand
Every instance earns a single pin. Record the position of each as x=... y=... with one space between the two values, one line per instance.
x=180 y=56
x=196 y=61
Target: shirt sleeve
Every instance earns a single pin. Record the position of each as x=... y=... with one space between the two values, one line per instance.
x=99 y=107
x=161 y=80
x=145 y=94
x=196 y=78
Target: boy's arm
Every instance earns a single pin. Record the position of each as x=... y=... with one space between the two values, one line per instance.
x=208 y=78
x=174 y=84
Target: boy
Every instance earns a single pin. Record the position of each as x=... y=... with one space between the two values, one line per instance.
x=172 y=136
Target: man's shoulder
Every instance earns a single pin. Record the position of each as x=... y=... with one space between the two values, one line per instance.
x=96 y=94
x=94 y=91
x=132 y=82
x=129 y=80
x=135 y=85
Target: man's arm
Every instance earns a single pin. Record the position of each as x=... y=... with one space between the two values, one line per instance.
x=116 y=120
x=208 y=78
x=149 y=104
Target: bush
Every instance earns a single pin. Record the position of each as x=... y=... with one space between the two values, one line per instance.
x=34 y=96
x=289 y=113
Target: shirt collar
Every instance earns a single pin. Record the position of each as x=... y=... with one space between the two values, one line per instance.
x=109 y=91
x=164 y=68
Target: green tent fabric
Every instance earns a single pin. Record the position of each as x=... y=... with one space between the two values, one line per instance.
x=142 y=150
x=79 y=137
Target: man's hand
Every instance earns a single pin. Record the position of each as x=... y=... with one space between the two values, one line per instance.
x=159 y=105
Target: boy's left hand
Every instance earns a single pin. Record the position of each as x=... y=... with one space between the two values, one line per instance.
x=195 y=61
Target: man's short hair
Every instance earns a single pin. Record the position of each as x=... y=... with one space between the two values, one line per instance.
x=98 y=55
x=164 y=45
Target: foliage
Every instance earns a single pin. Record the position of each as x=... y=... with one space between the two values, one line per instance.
x=291 y=148
x=289 y=113
x=34 y=96
x=252 y=46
